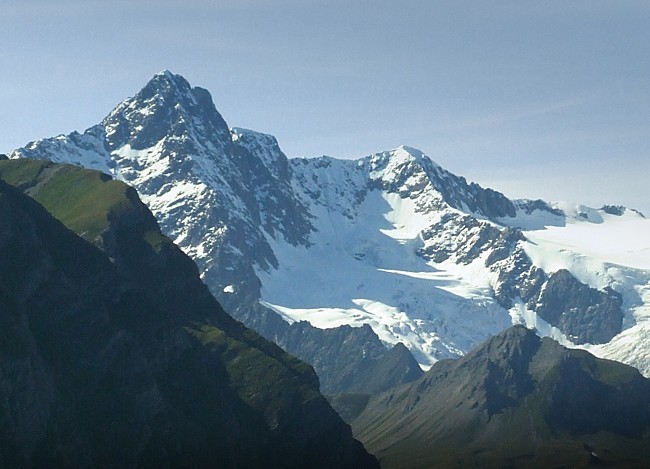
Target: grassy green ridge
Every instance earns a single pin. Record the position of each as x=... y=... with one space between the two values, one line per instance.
x=83 y=200
x=249 y=369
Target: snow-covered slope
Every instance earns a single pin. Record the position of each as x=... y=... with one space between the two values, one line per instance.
x=397 y=246
x=366 y=264
x=392 y=240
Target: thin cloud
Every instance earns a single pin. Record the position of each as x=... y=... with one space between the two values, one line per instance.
x=513 y=115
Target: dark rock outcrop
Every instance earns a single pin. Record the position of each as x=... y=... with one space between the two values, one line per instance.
x=346 y=359
x=616 y=210
x=582 y=313
x=354 y=360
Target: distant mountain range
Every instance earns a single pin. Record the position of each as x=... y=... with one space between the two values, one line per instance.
x=391 y=240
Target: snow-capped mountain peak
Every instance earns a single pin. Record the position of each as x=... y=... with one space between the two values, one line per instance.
x=404 y=153
x=217 y=195
x=392 y=239
x=408 y=171
x=167 y=107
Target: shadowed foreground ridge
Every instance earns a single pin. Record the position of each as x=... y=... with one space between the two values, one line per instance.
x=516 y=401
x=113 y=352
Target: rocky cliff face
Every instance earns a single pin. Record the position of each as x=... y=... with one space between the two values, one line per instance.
x=518 y=401
x=391 y=240
x=115 y=353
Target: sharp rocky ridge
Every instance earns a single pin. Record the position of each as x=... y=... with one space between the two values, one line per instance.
x=391 y=240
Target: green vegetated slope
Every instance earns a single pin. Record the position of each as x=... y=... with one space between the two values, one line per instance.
x=114 y=353
x=84 y=201
x=516 y=401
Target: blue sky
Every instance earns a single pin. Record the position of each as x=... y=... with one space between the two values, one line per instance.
x=545 y=99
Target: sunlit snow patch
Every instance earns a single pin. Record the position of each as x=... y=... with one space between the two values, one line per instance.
x=365 y=270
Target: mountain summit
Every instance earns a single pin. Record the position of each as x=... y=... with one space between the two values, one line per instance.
x=167 y=108
x=172 y=145
x=391 y=240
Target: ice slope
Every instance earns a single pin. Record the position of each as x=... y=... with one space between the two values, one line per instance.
x=603 y=238
x=365 y=270
x=362 y=263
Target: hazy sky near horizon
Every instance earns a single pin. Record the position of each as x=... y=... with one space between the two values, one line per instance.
x=546 y=99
